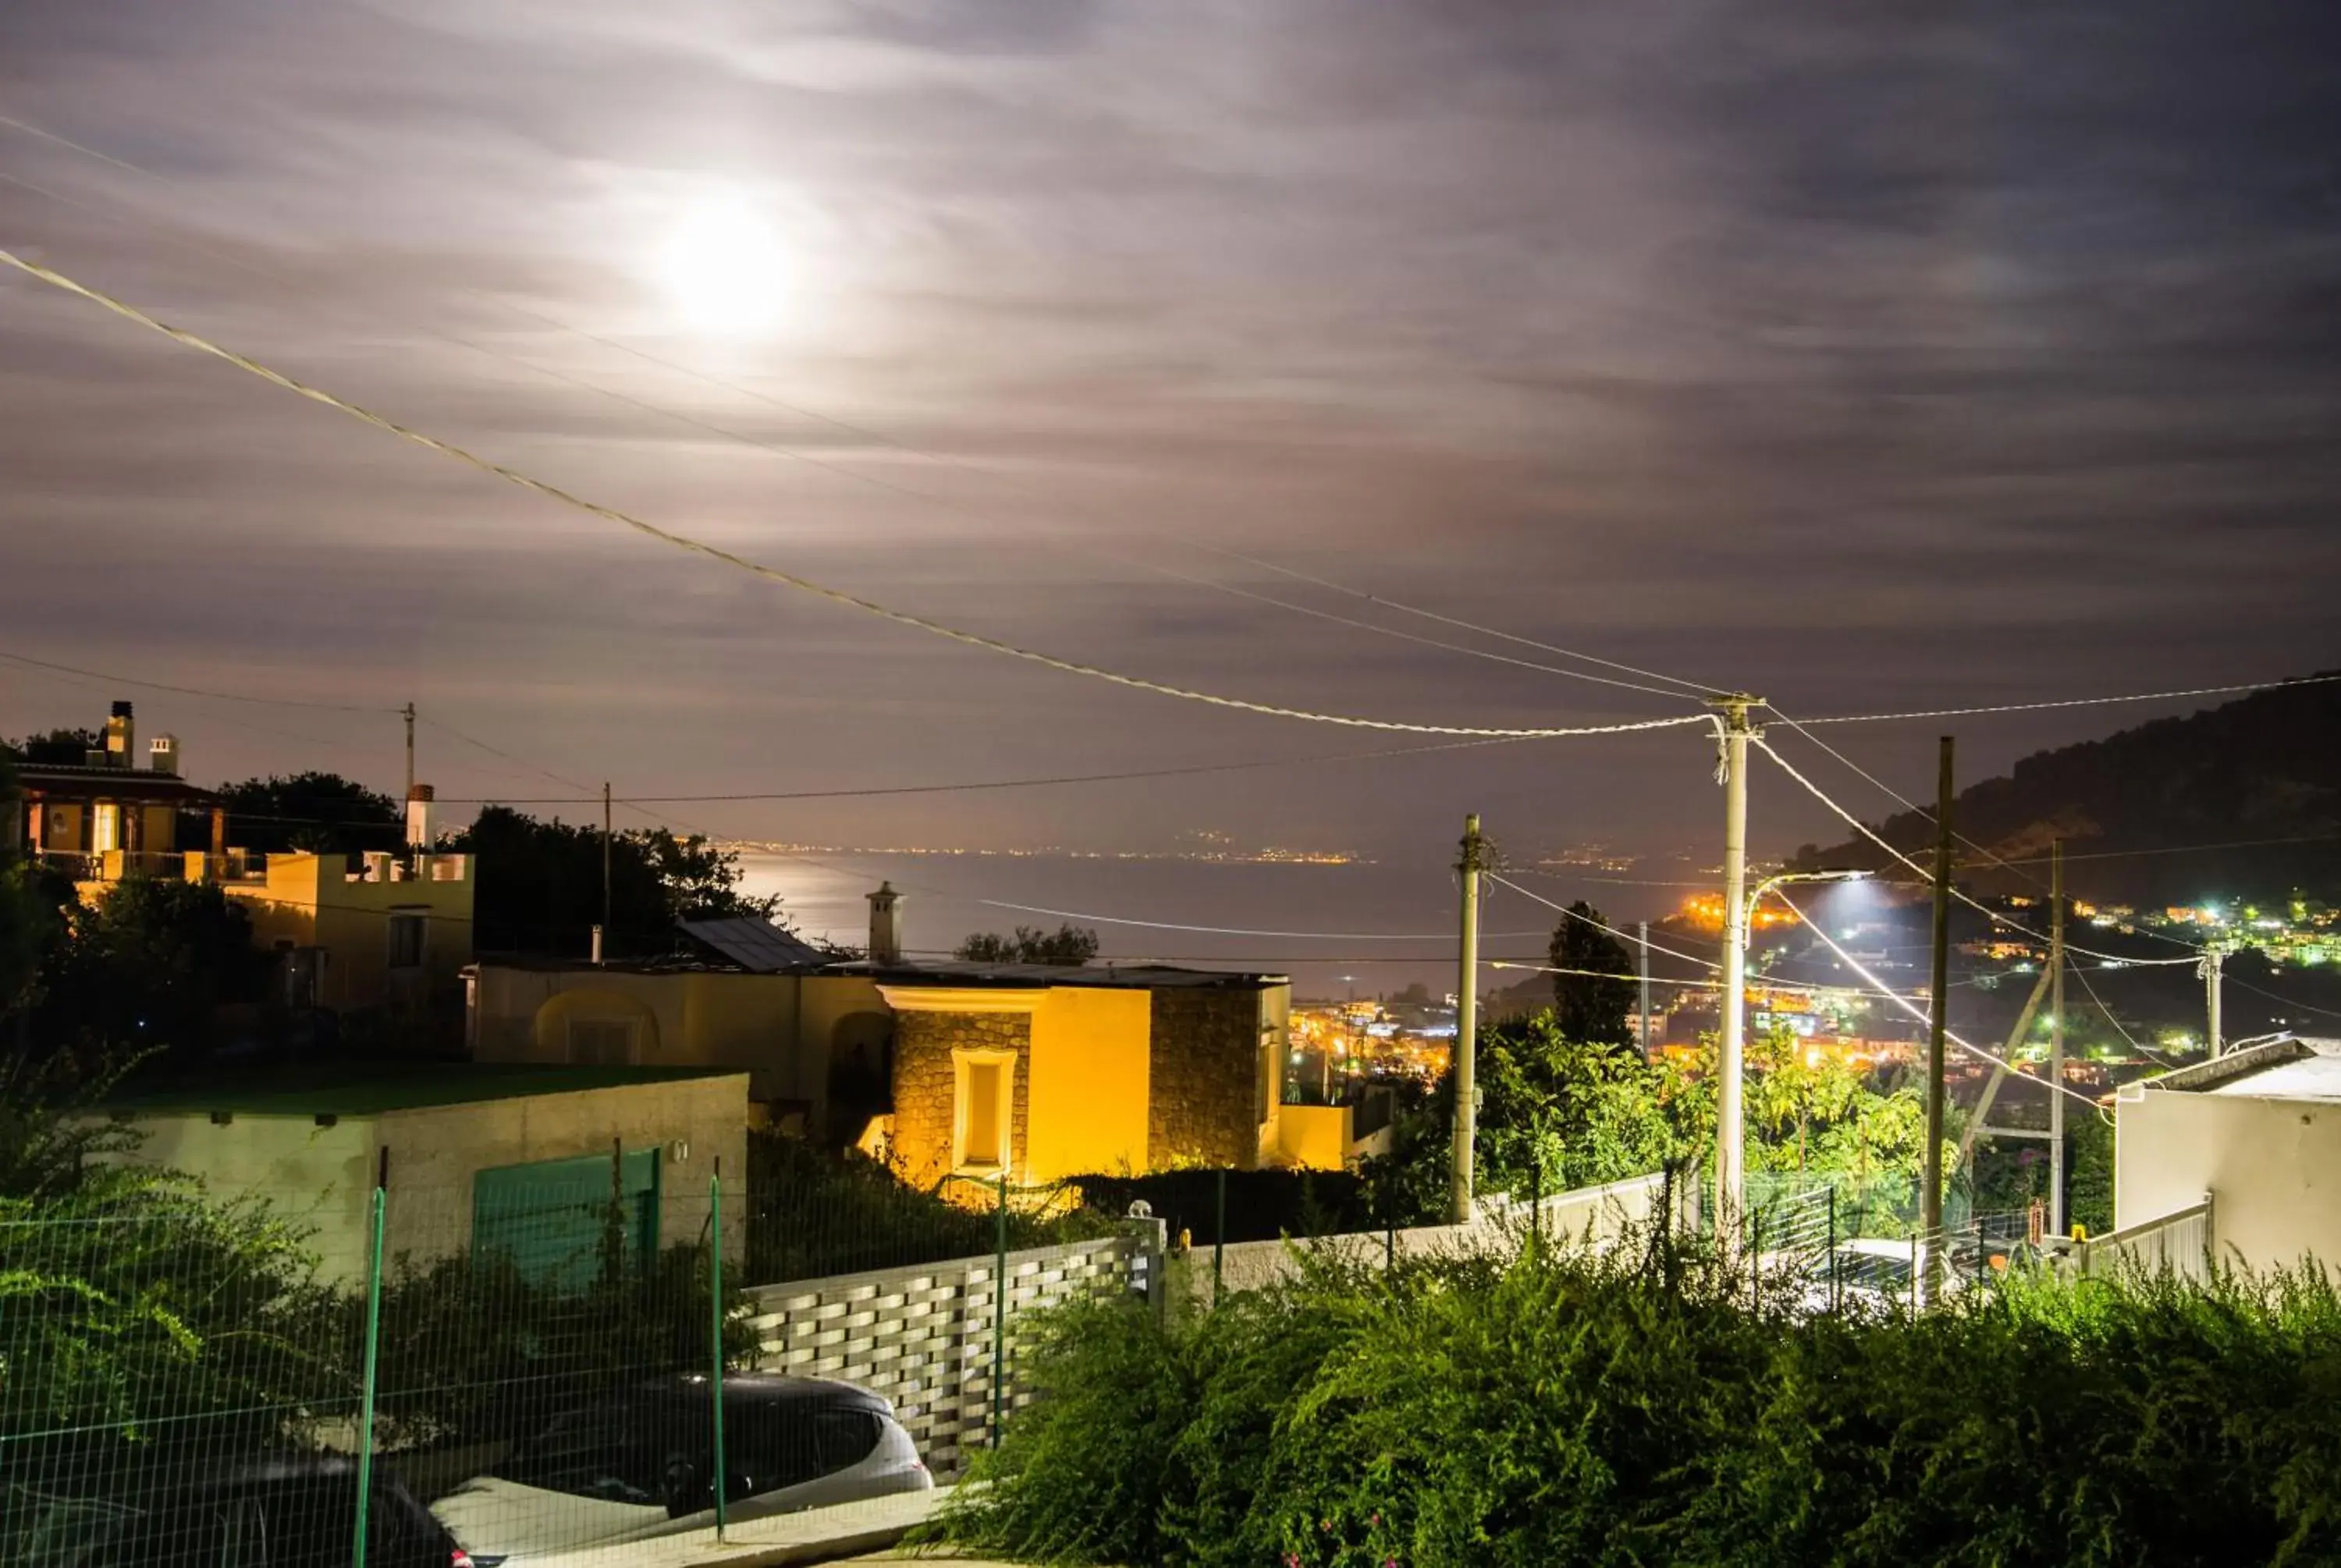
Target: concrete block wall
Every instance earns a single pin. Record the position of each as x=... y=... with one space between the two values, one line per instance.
x=923 y=1337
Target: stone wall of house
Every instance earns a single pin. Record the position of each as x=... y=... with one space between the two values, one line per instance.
x=1203 y=1056
x=926 y=1083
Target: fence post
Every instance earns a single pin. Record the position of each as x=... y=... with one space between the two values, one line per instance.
x=1832 y=1247
x=1535 y=1208
x=372 y=1364
x=715 y=1338
x=1000 y=1310
x=1218 y=1232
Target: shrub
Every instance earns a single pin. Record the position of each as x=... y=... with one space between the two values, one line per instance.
x=1638 y=1409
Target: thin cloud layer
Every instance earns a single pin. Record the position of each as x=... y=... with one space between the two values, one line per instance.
x=1857 y=359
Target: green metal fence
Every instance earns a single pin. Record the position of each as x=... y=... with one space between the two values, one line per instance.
x=537 y=1360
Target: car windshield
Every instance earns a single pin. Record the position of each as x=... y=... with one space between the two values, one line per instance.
x=588 y=1453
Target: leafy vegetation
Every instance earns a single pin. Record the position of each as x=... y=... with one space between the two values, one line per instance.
x=324 y=813
x=1590 y=1004
x=540 y=886
x=1069 y=944
x=1637 y=1407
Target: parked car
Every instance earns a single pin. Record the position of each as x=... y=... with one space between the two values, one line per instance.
x=1874 y=1274
x=175 y=1508
x=640 y=1464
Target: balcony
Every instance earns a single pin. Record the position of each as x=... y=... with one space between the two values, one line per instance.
x=112 y=865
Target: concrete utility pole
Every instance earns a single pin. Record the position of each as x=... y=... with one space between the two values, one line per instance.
x=1938 y=1001
x=2057 y=1039
x=1643 y=931
x=1730 y=1178
x=607 y=930
x=408 y=714
x=2212 y=958
x=1467 y=1024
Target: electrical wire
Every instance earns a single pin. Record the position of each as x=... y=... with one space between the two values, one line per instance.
x=2076 y=701
x=1916 y=1012
x=860 y=477
x=2082 y=976
x=2271 y=995
x=189 y=691
x=1601 y=926
x=1182 y=770
x=1694 y=687
x=1863 y=829
x=837 y=596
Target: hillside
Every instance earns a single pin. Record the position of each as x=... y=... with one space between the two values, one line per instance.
x=2264 y=767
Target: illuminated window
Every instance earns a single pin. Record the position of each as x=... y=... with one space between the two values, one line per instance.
x=983 y=1109
x=105 y=827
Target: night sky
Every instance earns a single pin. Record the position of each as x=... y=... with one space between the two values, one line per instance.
x=1861 y=356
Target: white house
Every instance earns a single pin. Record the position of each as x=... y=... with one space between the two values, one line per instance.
x=2258 y=1132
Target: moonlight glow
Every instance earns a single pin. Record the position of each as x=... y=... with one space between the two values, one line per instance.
x=723 y=267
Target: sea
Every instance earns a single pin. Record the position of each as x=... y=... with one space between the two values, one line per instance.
x=1352 y=928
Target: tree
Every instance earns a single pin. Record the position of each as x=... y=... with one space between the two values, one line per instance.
x=55 y=747
x=1590 y=1008
x=32 y=916
x=1068 y=946
x=540 y=886
x=322 y=812
x=147 y=964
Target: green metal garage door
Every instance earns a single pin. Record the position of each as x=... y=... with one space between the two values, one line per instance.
x=557 y=1220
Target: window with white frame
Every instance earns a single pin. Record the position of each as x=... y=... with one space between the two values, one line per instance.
x=982 y=1110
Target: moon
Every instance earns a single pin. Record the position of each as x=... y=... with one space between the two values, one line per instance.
x=724 y=267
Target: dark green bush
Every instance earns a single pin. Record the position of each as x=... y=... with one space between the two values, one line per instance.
x=1639 y=1409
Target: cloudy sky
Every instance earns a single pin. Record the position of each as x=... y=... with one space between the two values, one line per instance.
x=1862 y=356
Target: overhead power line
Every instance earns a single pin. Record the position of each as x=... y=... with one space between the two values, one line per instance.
x=1862 y=828
x=879 y=437
x=837 y=596
x=1850 y=962
x=2074 y=701
x=191 y=691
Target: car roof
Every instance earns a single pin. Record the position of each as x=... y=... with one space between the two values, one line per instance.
x=768 y=1388
x=1877 y=1247
x=167 y=1472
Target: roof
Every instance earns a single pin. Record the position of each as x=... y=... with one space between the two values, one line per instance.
x=1100 y=977
x=79 y=781
x=376 y=1090
x=756 y=945
x=2292 y=1068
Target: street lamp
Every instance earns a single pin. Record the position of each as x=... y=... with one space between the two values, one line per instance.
x=1730 y=1152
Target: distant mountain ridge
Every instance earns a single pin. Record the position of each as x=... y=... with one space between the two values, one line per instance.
x=2263 y=767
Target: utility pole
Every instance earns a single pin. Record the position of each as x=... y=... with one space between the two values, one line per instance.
x=1730 y=1180
x=1938 y=1001
x=2056 y=1039
x=608 y=931
x=1467 y=1024
x=1643 y=931
x=408 y=714
x=2208 y=970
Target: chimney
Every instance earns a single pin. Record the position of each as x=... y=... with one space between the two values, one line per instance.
x=885 y=927
x=121 y=735
x=163 y=754
x=421 y=818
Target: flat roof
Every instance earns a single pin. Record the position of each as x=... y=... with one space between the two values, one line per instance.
x=2290 y=1069
x=948 y=972
x=375 y=1089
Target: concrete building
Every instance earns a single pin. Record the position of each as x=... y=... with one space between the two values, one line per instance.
x=356 y=931
x=963 y=1068
x=474 y=1158
x=2258 y=1132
